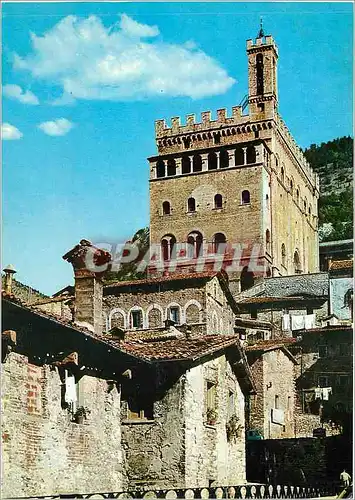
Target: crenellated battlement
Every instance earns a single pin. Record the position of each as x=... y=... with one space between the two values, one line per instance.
x=205 y=124
x=295 y=148
x=266 y=41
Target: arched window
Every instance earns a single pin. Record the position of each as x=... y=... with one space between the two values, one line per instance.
x=276 y=161
x=246 y=279
x=268 y=241
x=283 y=255
x=282 y=175
x=239 y=156
x=160 y=169
x=191 y=205
x=171 y=167
x=259 y=74
x=195 y=245
x=155 y=319
x=212 y=161
x=223 y=159
x=251 y=154
x=192 y=314
x=297 y=263
x=297 y=195
x=168 y=244
x=305 y=205
x=166 y=208
x=309 y=211
x=197 y=163
x=186 y=164
x=218 y=202
x=245 y=197
x=291 y=187
x=117 y=320
x=219 y=241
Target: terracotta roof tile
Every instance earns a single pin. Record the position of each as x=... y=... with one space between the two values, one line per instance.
x=162 y=279
x=153 y=350
x=327 y=329
x=266 y=300
x=50 y=300
x=341 y=264
x=270 y=344
x=174 y=349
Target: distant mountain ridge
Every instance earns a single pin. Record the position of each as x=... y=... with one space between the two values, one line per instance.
x=333 y=161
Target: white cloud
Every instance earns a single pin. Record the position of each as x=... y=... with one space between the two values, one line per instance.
x=9 y=132
x=118 y=62
x=130 y=27
x=15 y=92
x=61 y=126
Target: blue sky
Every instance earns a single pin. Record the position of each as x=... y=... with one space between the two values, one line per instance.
x=84 y=82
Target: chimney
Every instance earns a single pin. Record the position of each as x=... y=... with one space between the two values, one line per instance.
x=89 y=264
x=9 y=273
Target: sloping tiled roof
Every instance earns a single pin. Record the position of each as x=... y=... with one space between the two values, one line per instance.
x=270 y=344
x=163 y=279
x=336 y=265
x=270 y=300
x=51 y=300
x=253 y=323
x=154 y=350
x=327 y=329
x=174 y=349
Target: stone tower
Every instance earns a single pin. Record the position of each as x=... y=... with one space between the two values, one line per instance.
x=236 y=190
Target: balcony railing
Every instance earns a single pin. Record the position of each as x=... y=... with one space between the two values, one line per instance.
x=240 y=491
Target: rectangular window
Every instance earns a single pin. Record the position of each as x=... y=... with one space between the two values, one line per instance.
x=136 y=319
x=254 y=314
x=139 y=410
x=323 y=351
x=231 y=403
x=277 y=402
x=71 y=395
x=211 y=413
x=211 y=396
x=323 y=381
x=288 y=403
x=174 y=315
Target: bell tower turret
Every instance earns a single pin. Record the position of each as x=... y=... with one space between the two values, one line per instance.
x=262 y=76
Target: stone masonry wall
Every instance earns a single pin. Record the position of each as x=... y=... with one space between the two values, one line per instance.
x=57 y=308
x=279 y=370
x=43 y=451
x=177 y=448
x=154 y=449
x=209 y=456
x=273 y=373
x=190 y=300
x=295 y=216
x=219 y=314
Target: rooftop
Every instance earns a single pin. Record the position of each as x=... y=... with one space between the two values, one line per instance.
x=328 y=329
x=180 y=349
x=163 y=279
x=339 y=243
x=336 y=265
x=264 y=345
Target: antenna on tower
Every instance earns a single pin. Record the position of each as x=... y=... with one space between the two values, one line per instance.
x=261 y=32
